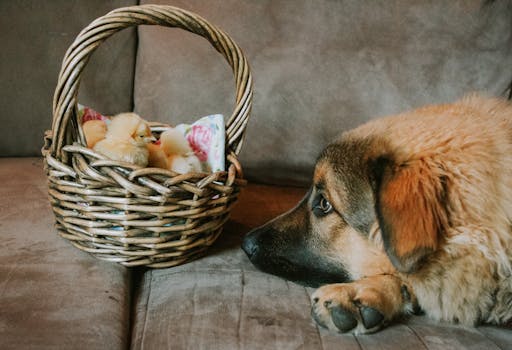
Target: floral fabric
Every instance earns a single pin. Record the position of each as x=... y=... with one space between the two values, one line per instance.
x=207 y=137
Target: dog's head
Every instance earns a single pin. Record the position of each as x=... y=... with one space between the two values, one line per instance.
x=369 y=211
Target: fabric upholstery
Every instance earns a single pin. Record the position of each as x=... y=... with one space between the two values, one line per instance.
x=35 y=36
x=222 y=302
x=321 y=67
x=52 y=296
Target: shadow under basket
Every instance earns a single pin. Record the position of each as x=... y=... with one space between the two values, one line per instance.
x=124 y=213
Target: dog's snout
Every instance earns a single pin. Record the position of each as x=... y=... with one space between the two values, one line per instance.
x=250 y=244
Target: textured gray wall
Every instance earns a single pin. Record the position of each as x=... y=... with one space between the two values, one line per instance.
x=35 y=35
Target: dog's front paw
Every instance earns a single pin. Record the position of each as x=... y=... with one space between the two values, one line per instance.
x=360 y=307
x=338 y=307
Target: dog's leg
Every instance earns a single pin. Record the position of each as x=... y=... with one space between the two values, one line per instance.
x=363 y=306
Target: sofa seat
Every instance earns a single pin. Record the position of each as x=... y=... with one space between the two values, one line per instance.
x=223 y=302
x=54 y=296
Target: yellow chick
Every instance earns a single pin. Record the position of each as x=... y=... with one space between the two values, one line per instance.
x=157 y=158
x=94 y=131
x=126 y=139
x=180 y=157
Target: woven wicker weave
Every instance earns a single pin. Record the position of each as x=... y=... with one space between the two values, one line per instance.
x=124 y=213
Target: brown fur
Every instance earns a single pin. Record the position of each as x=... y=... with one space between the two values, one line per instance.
x=421 y=211
x=380 y=292
x=410 y=207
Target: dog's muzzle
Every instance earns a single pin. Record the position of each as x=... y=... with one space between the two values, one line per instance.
x=289 y=256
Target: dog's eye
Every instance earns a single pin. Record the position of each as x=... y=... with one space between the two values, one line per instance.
x=322 y=206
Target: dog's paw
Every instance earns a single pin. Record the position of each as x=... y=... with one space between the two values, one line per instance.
x=347 y=307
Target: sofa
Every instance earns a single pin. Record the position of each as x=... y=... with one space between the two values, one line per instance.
x=320 y=68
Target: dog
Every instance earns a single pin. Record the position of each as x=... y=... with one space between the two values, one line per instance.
x=409 y=212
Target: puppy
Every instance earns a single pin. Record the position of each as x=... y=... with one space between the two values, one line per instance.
x=404 y=211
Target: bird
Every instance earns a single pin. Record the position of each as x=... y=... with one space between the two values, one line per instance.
x=126 y=139
x=174 y=153
x=157 y=158
x=94 y=130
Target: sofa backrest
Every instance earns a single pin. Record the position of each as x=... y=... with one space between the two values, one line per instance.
x=320 y=67
x=35 y=36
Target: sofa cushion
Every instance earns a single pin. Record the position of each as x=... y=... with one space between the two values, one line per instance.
x=321 y=67
x=52 y=296
x=35 y=36
x=222 y=302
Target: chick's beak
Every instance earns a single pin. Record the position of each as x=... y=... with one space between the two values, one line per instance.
x=149 y=139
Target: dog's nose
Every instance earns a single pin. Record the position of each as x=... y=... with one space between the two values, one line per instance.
x=250 y=245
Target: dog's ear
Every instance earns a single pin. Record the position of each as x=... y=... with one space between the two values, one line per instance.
x=410 y=208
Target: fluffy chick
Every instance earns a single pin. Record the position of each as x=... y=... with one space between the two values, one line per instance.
x=157 y=158
x=94 y=131
x=180 y=157
x=126 y=139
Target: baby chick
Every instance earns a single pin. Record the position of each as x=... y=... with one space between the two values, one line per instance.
x=157 y=158
x=174 y=153
x=126 y=139
x=94 y=131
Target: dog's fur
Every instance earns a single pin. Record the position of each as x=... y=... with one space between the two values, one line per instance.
x=417 y=210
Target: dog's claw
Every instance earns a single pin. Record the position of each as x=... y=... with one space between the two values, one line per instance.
x=318 y=319
x=342 y=319
x=370 y=317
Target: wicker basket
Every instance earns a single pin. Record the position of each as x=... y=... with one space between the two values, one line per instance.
x=121 y=212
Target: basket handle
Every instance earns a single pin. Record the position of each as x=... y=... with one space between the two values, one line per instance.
x=78 y=54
